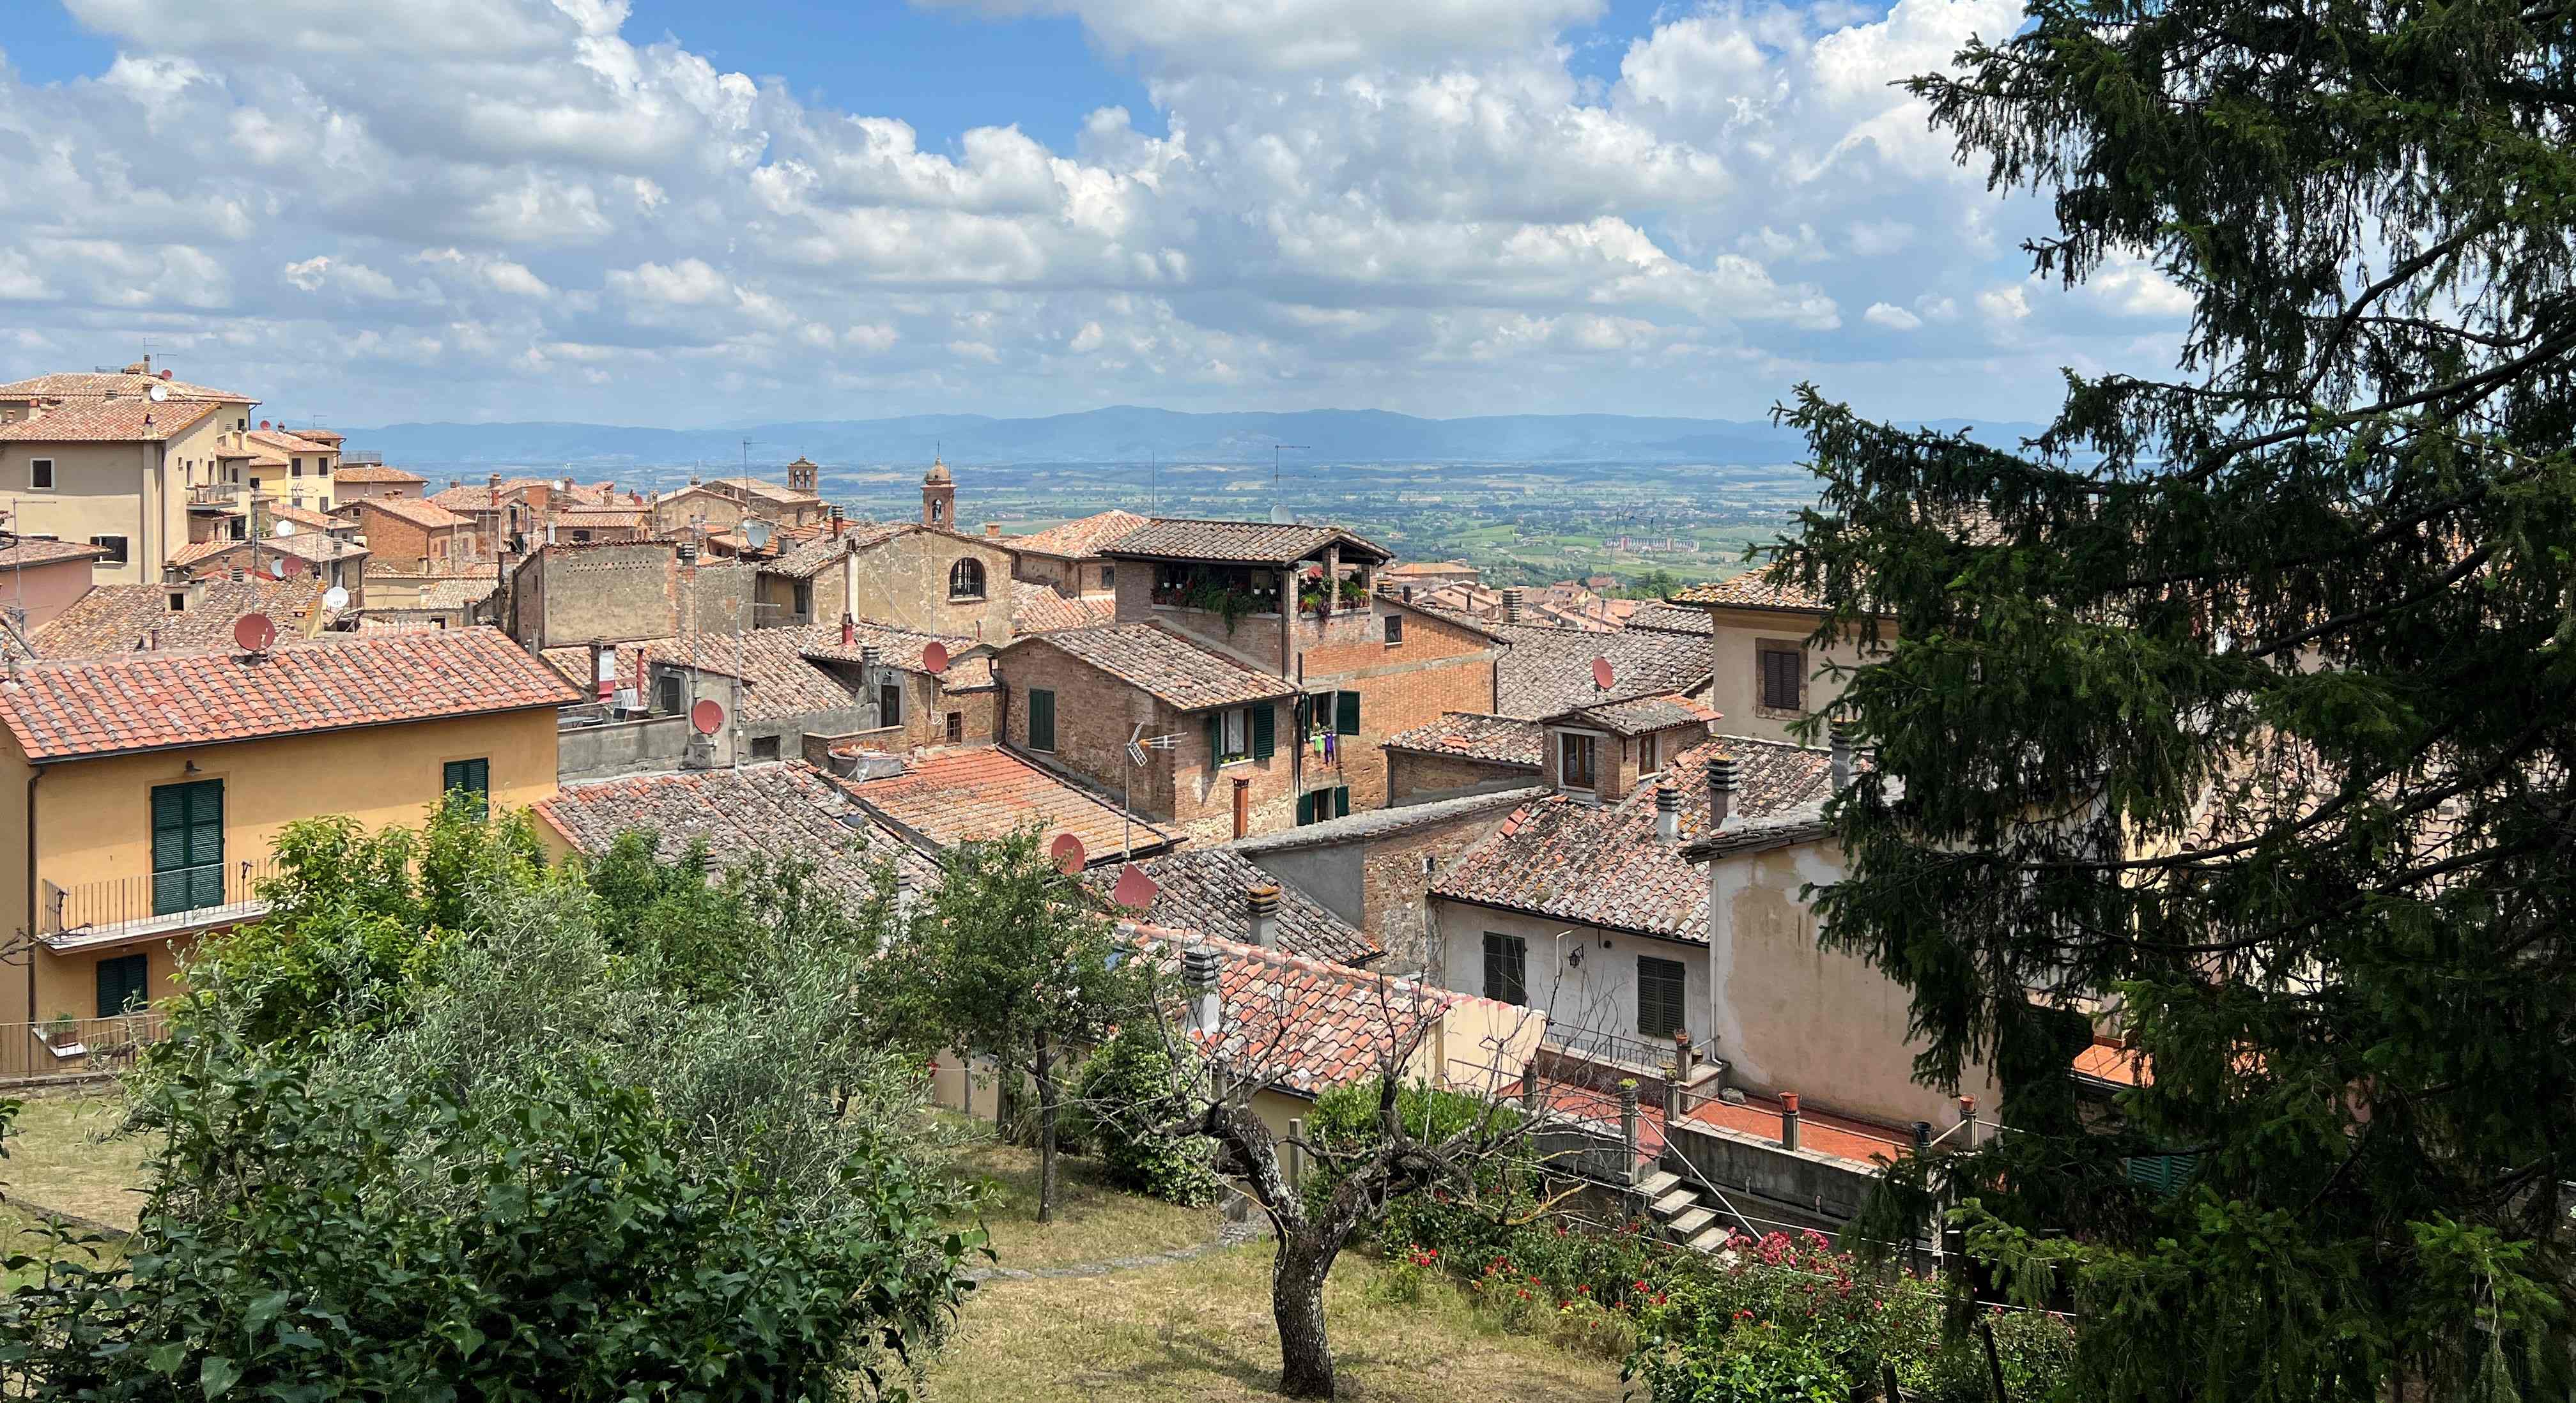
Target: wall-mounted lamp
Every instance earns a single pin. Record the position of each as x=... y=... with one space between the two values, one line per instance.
x=192 y=768
x=1574 y=957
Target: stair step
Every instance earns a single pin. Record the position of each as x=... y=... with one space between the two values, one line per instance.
x=1714 y=1240
x=1690 y=1225
x=1659 y=1183
x=1674 y=1204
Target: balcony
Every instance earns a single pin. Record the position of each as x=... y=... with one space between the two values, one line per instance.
x=121 y=910
x=71 y=1047
x=214 y=494
x=362 y=457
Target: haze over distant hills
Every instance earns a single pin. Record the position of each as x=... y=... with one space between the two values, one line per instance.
x=1124 y=434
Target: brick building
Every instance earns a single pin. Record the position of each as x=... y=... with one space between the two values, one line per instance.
x=1464 y=752
x=408 y=531
x=356 y=482
x=1067 y=558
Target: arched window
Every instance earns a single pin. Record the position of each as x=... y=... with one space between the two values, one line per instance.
x=966 y=580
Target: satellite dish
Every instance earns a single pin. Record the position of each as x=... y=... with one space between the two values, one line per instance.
x=755 y=534
x=706 y=717
x=1135 y=890
x=1602 y=676
x=285 y=567
x=159 y=393
x=254 y=632
x=335 y=598
x=284 y=530
x=1068 y=854
x=1279 y=516
x=934 y=660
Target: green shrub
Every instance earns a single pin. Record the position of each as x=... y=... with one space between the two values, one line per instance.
x=1124 y=1096
x=1344 y=1125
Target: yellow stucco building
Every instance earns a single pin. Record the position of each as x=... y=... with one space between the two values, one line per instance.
x=118 y=460
x=140 y=794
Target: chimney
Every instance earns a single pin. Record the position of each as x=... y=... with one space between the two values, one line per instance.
x=1842 y=755
x=993 y=530
x=1724 y=772
x=1512 y=604
x=1261 y=910
x=496 y=485
x=603 y=669
x=849 y=631
x=1668 y=813
x=836 y=523
x=1198 y=975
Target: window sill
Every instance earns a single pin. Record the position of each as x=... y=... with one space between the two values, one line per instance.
x=1780 y=713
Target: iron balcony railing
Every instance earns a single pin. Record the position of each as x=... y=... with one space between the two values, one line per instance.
x=79 y=1046
x=183 y=898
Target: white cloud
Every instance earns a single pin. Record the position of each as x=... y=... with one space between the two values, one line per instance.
x=1429 y=206
x=1891 y=316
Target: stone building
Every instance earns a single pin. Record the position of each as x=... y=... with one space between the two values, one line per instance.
x=1462 y=753
x=1769 y=669
x=1067 y=559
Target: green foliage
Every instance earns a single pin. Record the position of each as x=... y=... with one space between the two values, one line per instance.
x=1126 y=1097
x=1745 y=1362
x=1343 y=1128
x=2240 y=699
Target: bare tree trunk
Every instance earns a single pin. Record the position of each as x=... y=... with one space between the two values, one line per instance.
x=1046 y=1132
x=1297 y=1305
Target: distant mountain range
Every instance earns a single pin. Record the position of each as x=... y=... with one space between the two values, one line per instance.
x=1121 y=434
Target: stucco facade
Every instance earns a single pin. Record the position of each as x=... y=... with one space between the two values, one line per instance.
x=907 y=578
x=1741 y=636
x=136 y=493
x=93 y=821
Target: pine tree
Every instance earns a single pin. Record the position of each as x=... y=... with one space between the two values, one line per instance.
x=2235 y=711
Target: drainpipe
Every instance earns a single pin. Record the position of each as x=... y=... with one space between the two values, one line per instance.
x=32 y=898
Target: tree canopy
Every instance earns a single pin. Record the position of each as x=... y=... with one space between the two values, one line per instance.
x=2235 y=709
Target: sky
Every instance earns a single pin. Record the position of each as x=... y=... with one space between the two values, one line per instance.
x=687 y=215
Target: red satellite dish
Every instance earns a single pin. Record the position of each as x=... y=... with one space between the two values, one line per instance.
x=254 y=632
x=1066 y=850
x=1135 y=890
x=934 y=660
x=281 y=566
x=1602 y=676
x=706 y=717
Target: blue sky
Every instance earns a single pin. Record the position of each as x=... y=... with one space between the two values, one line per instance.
x=669 y=213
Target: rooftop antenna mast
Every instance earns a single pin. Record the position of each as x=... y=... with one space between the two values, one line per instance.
x=1279 y=505
x=1154 y=480
x=746 y=455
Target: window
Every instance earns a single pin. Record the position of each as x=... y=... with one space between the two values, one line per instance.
x=1041 y=719
x=40 y=474
x=1109 y=577
x=667 y=698
x=113 y=545
x=956 y=727
x=1659 y=996
x=298 y=469
x=764 y=747
x=124 y=984
x=966 y=580
x=1781 y=670
x=1394 y=630
x=472 y=776
x=1346 y=713
x=580 y=536
x=1506 y=968
x=804 y=597
x=1323 y=804
x=1646 y=755
x=1573 y=761
x=889 y=702
x=178 y=601
x=187 y=847
x=1243 y=733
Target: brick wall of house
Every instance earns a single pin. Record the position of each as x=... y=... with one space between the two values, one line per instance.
x=1413 y=777
x=1438 y=667
x=1396 y=876
x=390 y=538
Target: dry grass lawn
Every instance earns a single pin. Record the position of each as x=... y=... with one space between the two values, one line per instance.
x=57 y=1158
x=1200 y=1332
x=1094 y=1222
x=23 y=1234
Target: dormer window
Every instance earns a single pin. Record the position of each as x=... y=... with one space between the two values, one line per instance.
x=1574 y=760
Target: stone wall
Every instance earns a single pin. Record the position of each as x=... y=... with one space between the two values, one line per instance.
x=1415 y=778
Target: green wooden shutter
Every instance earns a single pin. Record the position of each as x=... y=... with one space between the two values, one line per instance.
x=1305 y=809
x=1346 y=713
x=1041 y=719
x=123 y=984
x=472 y=776
x=1659 y=996
x=1216 y=738
x=1342 y=802
x=187 y=847
x=2162 y=1175
x=1265 y=732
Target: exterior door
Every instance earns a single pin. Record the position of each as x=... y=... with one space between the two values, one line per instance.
x=187 y=847
x=123 y=984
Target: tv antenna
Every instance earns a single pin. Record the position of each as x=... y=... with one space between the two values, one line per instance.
x=1279 y=508
x=746 y=455
x=1137 y=744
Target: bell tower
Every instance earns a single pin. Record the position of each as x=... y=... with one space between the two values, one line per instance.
x=801 y=475
x=938 y=497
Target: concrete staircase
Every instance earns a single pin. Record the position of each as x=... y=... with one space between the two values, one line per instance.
x=1679 y=1212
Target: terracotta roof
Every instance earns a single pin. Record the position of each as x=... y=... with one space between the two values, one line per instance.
x=602 y=516
x=1039 y=609
x=112 y=620
x=192 y=553
x=782 y=682
x=457 y=592
x=477 y=498
x=1250 y=542
x=150 y=701
x=284 y=442
x=764 y=489
x=1604 y=866
x=313 y=548
x=374 y=472
x=1637 y=716
x=419 y=512
x=1205 y=890
x=1549 y=670
x=968 y=793
x=1476 y=735
x=2110 y=1062
x=1075 y=540
x=896 y=647
x=1307 y=1025
x=102 y=384
x=29 y=551
x=1428 y=567
x=771 y=809
x=306 y=516
x=1164 y=665
x=1669 y=618
x=110 y=421
x=808 y=560
x=1750 y=590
